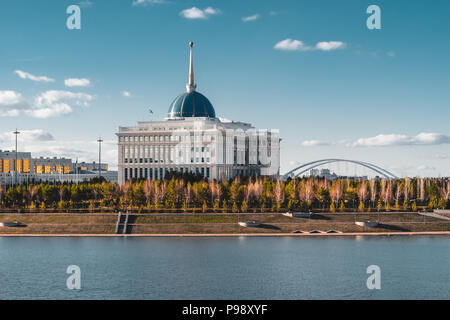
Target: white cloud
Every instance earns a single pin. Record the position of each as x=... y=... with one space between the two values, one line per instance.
x=10 y=98
x=251 y=18
x=48 y=104
x=146 y=2
x=210 y=10
x=56 y=103
x=27 y=136
x=54 y=110
x=297 y=45
x=11 y=103
x=52 y=96
x=85 y=4
x=383 y=140
x=126 y=94
x=330 y=45
x=291 y=45
x=196 y=13
x=10 y=113
x=314 y=143
x=74 y=82
x=26 y=75
x=387 y=140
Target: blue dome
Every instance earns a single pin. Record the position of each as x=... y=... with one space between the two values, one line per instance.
x=191 y=104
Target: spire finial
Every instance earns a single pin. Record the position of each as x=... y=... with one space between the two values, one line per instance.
x=191 y=86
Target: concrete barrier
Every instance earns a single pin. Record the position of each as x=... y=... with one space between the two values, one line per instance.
x=370 y=224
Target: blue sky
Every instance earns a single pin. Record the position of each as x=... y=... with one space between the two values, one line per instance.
x=380 y=96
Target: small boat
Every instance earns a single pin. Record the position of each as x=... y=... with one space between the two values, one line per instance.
x=15 y=224
x=315 y=231
x=298 y=214
x=366 y=223
x=297 y=231
x=333 y=231
x=249 y=224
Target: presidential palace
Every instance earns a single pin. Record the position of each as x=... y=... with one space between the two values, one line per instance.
x=193 y=139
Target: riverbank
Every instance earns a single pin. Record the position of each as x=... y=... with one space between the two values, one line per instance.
x=270 y=224
x=350 y=234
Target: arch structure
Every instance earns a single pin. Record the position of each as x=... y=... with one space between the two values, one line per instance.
x=314 y=164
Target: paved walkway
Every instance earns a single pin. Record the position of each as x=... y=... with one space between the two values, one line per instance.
x=434 y=215
x=236 y=234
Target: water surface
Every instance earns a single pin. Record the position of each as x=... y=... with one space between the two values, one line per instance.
x=412 y=267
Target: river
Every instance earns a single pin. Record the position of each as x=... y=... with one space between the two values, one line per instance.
x=412 y=267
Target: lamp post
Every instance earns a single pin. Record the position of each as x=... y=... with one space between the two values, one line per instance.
x=16 y=133
x=99 y=157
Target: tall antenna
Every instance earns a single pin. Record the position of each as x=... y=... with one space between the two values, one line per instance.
x=99 y=156
x=15 y=164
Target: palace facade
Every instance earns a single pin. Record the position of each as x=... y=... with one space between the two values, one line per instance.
x=192 y=139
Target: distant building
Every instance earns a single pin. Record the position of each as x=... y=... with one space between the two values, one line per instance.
x=42 y=169
x=52 y=165
x=8 y=162
x=323 y=173
x=192 y=139
x=91 y=166
x=326 y=173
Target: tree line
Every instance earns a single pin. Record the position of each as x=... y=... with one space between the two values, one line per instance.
x=242 y=194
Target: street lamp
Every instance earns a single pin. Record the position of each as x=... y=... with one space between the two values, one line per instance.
x=99 y=156
x=16 y=133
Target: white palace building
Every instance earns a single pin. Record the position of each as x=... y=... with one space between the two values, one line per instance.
x=192 y=139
